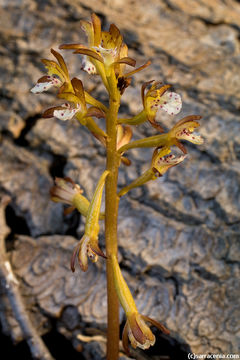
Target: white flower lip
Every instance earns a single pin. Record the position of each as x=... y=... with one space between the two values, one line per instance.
x=171 y=103
x=44 y=86
x=171 y=159
x=41 y=87
x=187 y=135
x=88 y=66
x=65 y=114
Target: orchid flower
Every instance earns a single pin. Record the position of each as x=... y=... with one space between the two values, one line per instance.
x=88 y=245
x=161 y=162
x=104 y=53
x=136 y=329
x=67 y=192
x=57 y=74
x=158 y=97
x=183 y=130
x=77 y=108
x=106 y=47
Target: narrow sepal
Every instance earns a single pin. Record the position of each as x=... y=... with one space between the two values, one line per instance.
x=140 y=68
x=97 y=29
x=98 y=113
x=60 y=61
x=89 y=53
x=156 y=324
x=96 y=249
x=126 y=60
x=78 y=89
x=71 y=46
x=125 y=341
x=144 y=85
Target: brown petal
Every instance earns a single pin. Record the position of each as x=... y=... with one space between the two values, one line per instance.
x=44 y=79
x=125 y=340
x=49 y=112
x=114 y=31
x=97 y=29
x=187 y=119
x=116 y=35
x=163 y=89
x=69 y=210
x=90 y=53
x=180 y=146
x=72 y=46
x=155 y=124
x=126 y=60
x=67 y=179
x=94 y=111
x=125 y=161
x=78 y=88
x=156 y=324
x=96 y=249
x=74 y=255
x=140 y=68
x=144 y=85
x=60 y=61
x=136 y=330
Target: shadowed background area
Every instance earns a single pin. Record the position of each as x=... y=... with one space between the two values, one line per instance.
x=179 y=236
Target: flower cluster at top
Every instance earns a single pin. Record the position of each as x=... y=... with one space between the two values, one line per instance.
x=106 y=55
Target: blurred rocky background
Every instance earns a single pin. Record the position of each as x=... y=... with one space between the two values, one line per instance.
x=178 y=236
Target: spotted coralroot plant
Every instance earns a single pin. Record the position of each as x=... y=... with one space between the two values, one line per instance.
x=106 y=56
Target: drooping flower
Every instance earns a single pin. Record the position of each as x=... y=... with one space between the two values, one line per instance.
x=57 y=74
x=161 y=162
x=67 y=192
x=88 y=245
x=136 y=330
x=139 y=333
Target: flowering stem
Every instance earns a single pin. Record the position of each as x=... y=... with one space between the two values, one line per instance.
x=111 y=212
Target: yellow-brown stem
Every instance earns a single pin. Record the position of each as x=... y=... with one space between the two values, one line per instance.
x=111 y=213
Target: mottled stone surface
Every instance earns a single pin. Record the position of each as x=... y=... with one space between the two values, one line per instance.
x=178 y=236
